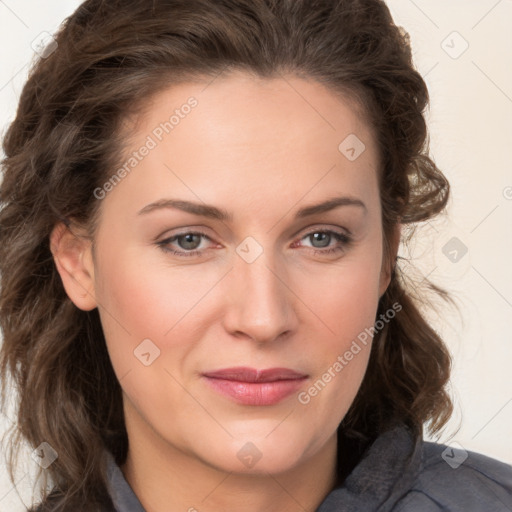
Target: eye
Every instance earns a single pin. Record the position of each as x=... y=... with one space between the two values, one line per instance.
x=321 y=241
x=188 y=244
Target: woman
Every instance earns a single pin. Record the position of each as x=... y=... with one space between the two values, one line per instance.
x=201 y=308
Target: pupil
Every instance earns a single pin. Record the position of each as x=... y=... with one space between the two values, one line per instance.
x=189 y=240
x=326 y=238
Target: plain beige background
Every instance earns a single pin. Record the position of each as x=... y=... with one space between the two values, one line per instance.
x=463 y=49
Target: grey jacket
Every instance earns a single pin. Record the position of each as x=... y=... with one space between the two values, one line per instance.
x=398 y=473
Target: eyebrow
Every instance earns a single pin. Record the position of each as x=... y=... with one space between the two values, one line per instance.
x=213 y=212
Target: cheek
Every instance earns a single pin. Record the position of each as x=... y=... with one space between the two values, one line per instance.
x=344 y=298
x=135 y=305
x=341 y=353
x=345 y=301
x=146 y=300
x=138 y=308
x=343 y=350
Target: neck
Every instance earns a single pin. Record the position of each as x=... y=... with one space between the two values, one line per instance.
x=175 y=480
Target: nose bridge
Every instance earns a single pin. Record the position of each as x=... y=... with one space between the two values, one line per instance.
x=260 y=304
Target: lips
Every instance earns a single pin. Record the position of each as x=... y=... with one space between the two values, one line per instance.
x=244 y=374
x=250 y=386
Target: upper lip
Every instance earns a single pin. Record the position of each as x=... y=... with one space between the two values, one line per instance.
x=245 y=374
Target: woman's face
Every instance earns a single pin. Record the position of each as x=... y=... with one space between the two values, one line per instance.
x=242 y=274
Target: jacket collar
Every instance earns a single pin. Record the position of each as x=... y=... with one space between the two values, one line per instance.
x=384 y=475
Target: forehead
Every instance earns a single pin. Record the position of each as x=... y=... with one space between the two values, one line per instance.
x=284 y=137
x=287 y=106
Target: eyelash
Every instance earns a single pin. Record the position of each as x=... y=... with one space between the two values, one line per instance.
x=342 y=238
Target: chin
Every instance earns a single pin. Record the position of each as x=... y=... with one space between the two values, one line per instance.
x=261 y=454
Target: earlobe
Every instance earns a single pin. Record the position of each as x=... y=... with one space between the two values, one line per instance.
x=73 y=259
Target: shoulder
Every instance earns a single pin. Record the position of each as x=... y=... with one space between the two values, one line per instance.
x=453 y=479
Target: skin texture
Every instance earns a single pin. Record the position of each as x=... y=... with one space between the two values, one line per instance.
x=260 y=149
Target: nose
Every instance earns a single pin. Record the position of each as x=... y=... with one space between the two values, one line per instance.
x=260 y=304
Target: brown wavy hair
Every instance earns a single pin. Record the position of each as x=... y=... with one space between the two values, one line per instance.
x=66 y=138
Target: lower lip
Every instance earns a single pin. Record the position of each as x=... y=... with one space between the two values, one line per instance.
x=256 y=393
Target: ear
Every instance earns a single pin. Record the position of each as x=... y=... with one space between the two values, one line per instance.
x=387 y=266
x=72 y=254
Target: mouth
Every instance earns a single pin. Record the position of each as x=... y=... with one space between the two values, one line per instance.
x=250 y=386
